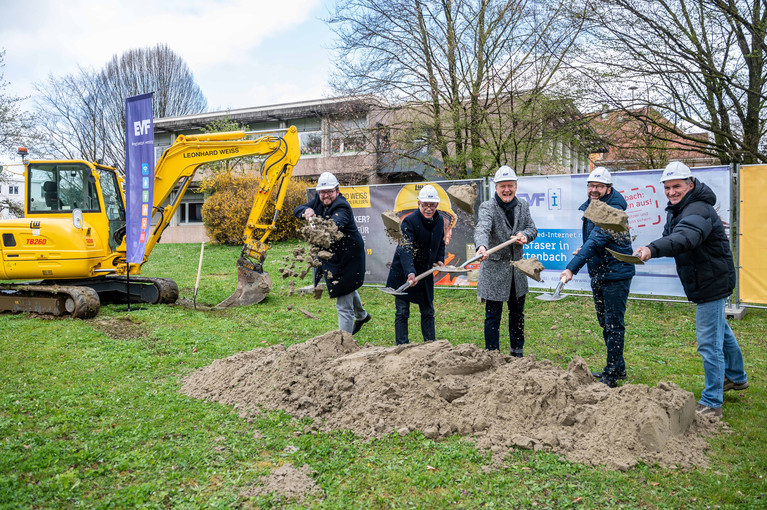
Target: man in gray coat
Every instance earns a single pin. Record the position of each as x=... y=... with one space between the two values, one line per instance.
x=500 y=218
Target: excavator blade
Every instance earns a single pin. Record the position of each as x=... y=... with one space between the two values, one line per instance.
x=252 y=286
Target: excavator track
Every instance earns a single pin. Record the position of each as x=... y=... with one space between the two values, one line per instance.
x=120 y=289
x=56 y=300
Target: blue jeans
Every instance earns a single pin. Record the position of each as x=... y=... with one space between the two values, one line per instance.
x=720 y=351
x=610 y=297
x=493 y=313
x=349 y=308
x=402 y=314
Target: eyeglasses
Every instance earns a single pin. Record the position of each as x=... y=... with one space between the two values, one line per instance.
x=326 y=192
x=592 y=185
x=429 y=205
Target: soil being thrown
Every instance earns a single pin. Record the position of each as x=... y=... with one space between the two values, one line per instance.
x=497 y=401
x=532 y=267
x=607 y=217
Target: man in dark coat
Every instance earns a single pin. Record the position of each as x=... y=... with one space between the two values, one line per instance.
x=500 y=218
x=694 y=235
x=610 y=278
x=344 y=272
x=422 y=246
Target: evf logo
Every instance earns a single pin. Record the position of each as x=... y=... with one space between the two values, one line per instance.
x=141 y=127
x=534 y=200
x=555 y=198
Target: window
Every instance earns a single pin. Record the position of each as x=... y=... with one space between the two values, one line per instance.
x=13 y=190
x=190 y=212
x=62 y=188
x=311 y=143
x=347 y=136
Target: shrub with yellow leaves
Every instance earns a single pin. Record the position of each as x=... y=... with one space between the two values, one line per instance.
x=226 y=210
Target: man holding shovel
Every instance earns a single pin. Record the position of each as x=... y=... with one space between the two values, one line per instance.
x=694 y=235
x=610 y=278
x=422 y=245
x=500 y=218
x=344 y=272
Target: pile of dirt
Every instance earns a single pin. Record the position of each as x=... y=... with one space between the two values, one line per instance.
x=532 y=267
x=287 y=482
x=609 y=218
x=120 y=328
x=464 y=196
x=497 y=401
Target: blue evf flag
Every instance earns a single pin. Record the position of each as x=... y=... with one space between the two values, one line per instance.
x=139 y=174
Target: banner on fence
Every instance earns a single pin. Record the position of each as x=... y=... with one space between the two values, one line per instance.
x=554 y=202
x=370 y=203
x=752 y=233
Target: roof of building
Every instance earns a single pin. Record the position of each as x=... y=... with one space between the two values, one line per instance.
x=267 y=113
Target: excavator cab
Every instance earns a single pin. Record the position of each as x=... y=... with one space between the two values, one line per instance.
x=56 y=189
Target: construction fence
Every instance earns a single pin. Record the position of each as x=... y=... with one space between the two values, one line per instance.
x=554 y=202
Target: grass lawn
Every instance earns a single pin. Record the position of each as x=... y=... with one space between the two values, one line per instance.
x=91 y=415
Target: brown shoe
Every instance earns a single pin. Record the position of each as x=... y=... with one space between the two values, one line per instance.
x=704 y=410
x=729 y=385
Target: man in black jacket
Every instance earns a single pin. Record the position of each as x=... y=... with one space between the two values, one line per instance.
x=344 y=272
x=422 y=246
x=610 y=278
x=694 y=235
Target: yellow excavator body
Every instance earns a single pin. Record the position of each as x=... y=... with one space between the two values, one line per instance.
x=73 y=233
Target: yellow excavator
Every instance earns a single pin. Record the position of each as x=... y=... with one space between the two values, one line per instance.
x=72 y=238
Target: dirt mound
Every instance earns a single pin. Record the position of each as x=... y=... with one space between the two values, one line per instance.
x=286 y=481
x=495 y=400
x=120 y=328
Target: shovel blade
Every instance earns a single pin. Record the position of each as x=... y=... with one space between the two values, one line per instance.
x=451 y=269
x=393 y=292
x=550 y=297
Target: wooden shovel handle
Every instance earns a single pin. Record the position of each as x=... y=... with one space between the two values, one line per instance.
x=418 y=278
x=491 y=250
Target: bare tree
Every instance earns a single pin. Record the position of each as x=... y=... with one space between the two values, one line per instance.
x=455 y=73
x=700 y=63
x=15 y=124
x=83 y=115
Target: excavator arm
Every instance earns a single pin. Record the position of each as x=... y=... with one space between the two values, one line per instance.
x=179 y=163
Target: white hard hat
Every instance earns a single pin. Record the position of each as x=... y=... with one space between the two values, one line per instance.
x=675 y=170
x=428 y=194
x=505 y=173
x=326 y=181
x=600 y=174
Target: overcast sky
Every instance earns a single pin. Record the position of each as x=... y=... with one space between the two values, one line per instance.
x=242 y=52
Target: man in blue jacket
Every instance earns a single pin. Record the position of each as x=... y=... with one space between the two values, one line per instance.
x=694 y=235
x=610 y=278
x=344 y=272
x=422 y=246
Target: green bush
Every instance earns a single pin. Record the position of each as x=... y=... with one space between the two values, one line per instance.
x=226 y=210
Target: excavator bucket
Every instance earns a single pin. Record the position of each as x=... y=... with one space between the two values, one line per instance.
x=252 y=286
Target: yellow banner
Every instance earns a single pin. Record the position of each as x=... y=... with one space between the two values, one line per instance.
x=753 y=234
x=357 y=196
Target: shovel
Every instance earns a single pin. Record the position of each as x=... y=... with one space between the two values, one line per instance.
x=631 y=259
x=462 y=267
x=400 y=291
x=556 y=296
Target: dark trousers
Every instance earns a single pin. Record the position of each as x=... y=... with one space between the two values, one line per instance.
x=610 y=299
x=402 y=314
x=493 y=313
